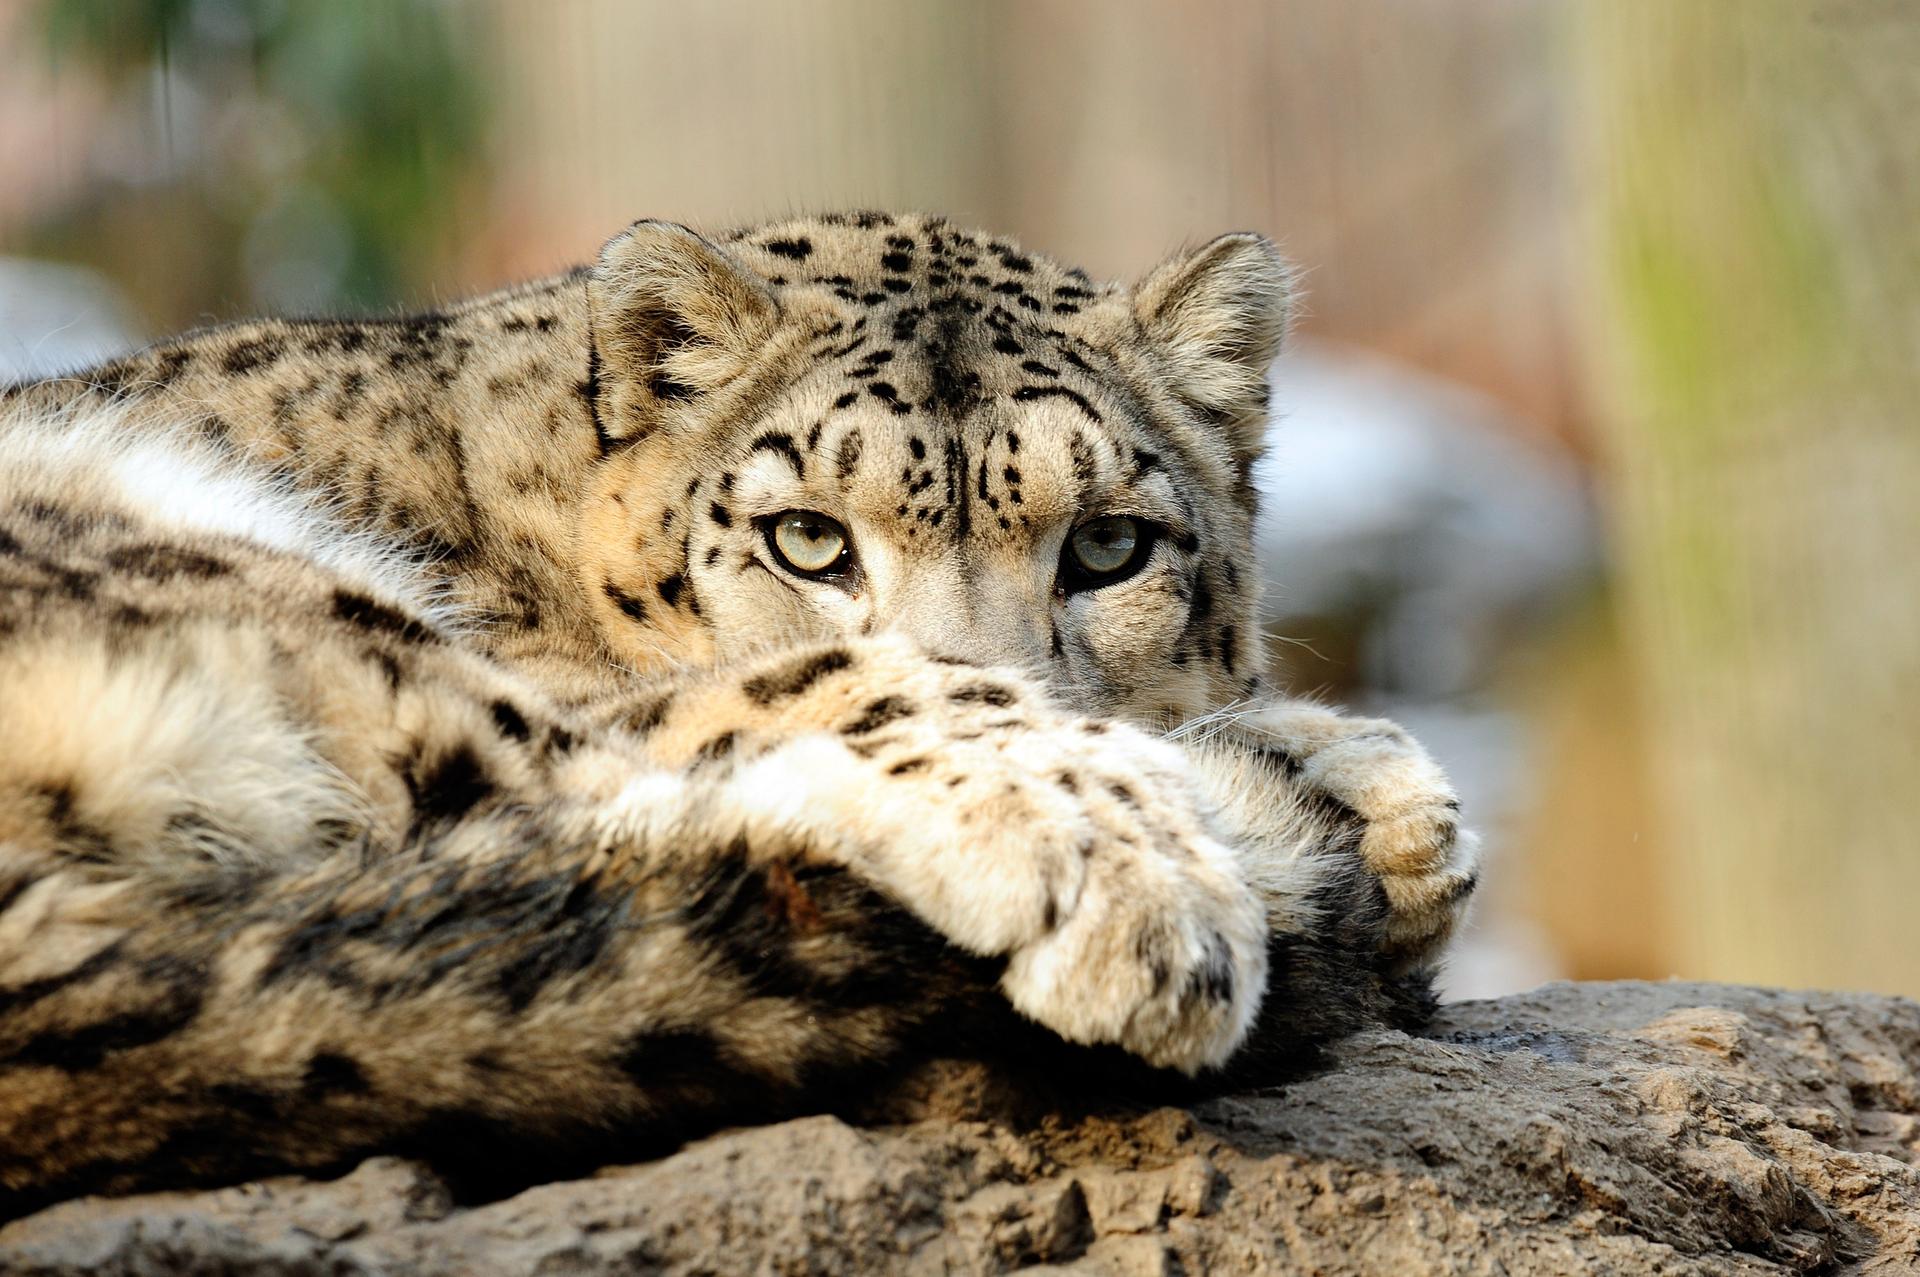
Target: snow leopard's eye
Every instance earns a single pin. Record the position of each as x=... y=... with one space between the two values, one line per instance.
x=808 y=543
x=1105 y=550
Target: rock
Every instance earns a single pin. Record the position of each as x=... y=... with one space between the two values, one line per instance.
x=1619 y=1128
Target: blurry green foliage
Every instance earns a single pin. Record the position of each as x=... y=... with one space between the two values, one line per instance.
x=303 y=154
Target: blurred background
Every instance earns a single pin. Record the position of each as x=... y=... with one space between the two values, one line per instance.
x=1598 y=458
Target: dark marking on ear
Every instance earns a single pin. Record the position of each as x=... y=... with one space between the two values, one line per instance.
x=794 y=679
x=633 y=609
x=589 y=391
x=509 y=720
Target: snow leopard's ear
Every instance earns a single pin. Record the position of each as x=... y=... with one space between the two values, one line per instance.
x=674 y=319
x=1218 y=315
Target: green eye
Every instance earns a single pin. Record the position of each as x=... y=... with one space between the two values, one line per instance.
x=808 y=543
x=1103 y=550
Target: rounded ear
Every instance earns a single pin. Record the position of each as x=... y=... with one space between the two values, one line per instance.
x=674 y=318
x=1218 y=316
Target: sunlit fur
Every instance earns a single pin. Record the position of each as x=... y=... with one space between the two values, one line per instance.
x=408 y=740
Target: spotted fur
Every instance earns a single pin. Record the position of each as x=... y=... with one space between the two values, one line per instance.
x=408 y=739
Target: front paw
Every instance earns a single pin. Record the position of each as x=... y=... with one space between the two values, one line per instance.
x=1411 y=839
x=1076 y=850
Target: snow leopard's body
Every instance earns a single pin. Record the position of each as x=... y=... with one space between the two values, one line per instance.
x=411 y=736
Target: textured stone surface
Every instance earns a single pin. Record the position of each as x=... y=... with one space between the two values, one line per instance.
x=1619 y=1128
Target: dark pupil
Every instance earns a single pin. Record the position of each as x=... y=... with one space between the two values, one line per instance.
x=1106 y=536
x=813 y=530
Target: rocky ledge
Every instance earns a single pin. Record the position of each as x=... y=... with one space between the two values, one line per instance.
x=1617 y=1128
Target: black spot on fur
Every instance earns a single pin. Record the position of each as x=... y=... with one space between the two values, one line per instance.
x=646 y=716
x=669 y=589
x=509 y=720
x=721 y=515
x=159 y=562
x=252 y=355
x=330 y=1073
x=666 y=388
x=576 y=923
x=1028 y=393
x=780 y=444
x=666 y=1059
x=847 y=457
x=452 y=787
x=633 y=609
x=792 y=680
x=847 y=400
x=795 y=249
x=982 y=694
x=357 y=609
x=888 y=709
x=170 y=1008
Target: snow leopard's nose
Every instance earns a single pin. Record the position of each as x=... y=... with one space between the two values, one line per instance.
x=987 y=623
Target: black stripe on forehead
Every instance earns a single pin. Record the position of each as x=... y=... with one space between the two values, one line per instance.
x=954 y=381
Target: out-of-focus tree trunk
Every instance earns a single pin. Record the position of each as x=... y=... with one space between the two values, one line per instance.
x=1753 y=183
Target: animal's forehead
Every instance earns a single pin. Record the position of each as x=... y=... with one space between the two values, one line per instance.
x=873 y=259
x=937 y=321
x=960 y=383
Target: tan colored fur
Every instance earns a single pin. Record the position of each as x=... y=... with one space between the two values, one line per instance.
x=408 y=740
